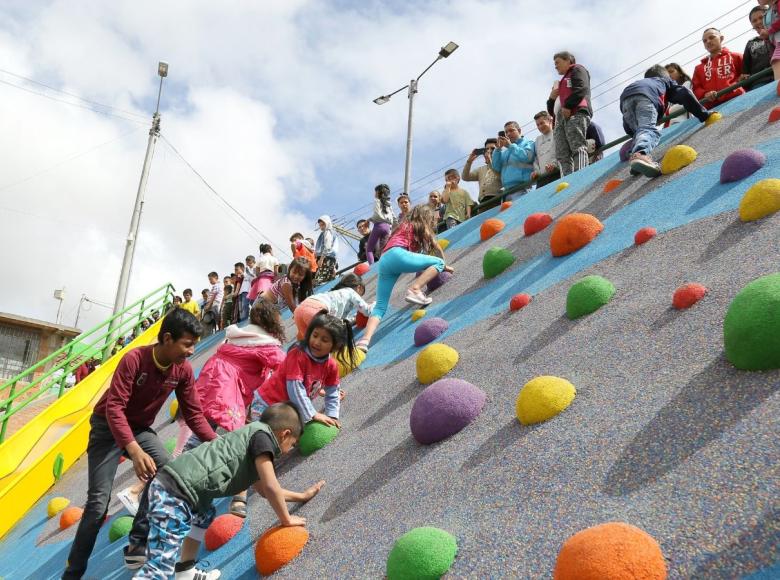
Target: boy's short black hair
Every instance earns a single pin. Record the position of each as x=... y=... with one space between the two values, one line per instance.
x=296 y=236
x=281 y=416
x=491 y=141
x=204 y=291
x=250 y=257
x=213 y=274
x=178 y=323
x=382 y=189
x=760 y=9
x=565 y=55
x=514 y=124
x=452 y=172
x=239 y=265
x=187 y=291
x=361 y=222
x=541 y=114
x=657 y=71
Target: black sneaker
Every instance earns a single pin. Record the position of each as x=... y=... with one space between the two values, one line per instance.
x=135 y=557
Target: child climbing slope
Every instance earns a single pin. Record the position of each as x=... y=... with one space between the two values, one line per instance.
x=345 y=297
x=407 y=250
x=292 y=289
x=181 y=496
x=309 y=367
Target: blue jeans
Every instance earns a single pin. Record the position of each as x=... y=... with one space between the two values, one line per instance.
x=171 y=519
x=640 y=116
x=243 y=306
x=394 y=262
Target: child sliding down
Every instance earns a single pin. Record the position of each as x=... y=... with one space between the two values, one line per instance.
x=181 y=496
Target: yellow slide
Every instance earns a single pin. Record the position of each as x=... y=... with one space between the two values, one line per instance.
x=57 y=435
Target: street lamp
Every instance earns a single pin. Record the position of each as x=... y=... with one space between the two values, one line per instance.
x=445 y=51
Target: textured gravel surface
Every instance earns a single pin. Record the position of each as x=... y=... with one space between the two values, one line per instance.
x=663 y=434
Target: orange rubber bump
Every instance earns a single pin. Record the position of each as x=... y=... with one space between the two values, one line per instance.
x=774 y=115
x=278 y=546
x=536 y=222
x=361 y=320
x=506 y=205
x=361 y=269
x=490 y=228
x=611 y=551
x=688 y=295
x=612 y=185
x=70 y=516
x=573 y=232
x=519 y=301
x=644 y=235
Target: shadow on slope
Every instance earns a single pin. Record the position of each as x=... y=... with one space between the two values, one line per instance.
x=711 y=403
x=386 y=468
x=507 y=436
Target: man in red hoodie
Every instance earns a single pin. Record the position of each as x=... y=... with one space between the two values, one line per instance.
x=717 y=71
x=121 y=424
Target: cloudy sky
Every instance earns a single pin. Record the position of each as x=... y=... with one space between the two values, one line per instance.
x=271 y=102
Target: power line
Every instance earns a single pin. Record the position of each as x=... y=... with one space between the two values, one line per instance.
x=221 y=198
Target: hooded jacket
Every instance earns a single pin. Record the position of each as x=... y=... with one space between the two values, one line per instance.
x=515 y=162
x=715 y=74
x=327 y=244
x=662 y=91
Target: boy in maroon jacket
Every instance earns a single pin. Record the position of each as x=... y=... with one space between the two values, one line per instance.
x=121 y=425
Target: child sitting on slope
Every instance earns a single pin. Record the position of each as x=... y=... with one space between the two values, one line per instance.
x=181 y=496
x=339 y=302
x=309 y=367
x=228 y=380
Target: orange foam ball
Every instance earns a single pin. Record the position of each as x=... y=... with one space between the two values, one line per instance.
x=506 y=205
x=222 y=530
x=361 y=269
x=573 y=232
x=490 y=228
x=611 y=551
x=688 y=295
x=361 y=320
x=536 y=222
x=519 y=301
x=612 y=185
x=278 y=547
x=644 y=235
x=774 y=115
x=70 y=516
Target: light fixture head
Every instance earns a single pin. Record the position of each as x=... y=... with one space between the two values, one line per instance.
x=448 y=49
x=162 y=68
x=381 y=100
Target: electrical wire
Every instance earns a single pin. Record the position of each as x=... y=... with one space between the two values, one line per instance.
x=221 y=198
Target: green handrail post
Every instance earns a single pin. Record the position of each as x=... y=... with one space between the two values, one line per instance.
x=6 y=407
x=64 y=378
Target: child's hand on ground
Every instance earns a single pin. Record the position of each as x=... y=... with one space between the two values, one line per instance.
x=294 y=521
x=313 y=490
x=449 y=269
x=325 y=420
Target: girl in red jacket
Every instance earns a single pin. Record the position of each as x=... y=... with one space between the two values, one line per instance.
x=717 y=71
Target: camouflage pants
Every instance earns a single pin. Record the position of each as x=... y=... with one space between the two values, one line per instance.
x=170 y=521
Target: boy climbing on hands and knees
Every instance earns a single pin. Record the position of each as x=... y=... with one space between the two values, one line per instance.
x=121 y=425
x=181 y=496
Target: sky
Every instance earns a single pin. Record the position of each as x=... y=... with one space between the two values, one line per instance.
x=271 y=103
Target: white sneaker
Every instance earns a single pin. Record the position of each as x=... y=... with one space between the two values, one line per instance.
x=418 y=298
x=197 y=574
x=129 y=500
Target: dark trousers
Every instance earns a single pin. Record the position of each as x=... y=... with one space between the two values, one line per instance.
x=103 y=459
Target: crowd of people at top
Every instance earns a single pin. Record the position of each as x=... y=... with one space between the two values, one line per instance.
x=260 y=396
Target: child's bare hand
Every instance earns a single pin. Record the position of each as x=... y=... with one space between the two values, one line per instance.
x=313 y=490
x=325 y=420
x=295 y=521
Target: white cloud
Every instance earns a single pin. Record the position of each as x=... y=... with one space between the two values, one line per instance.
x=264 y=99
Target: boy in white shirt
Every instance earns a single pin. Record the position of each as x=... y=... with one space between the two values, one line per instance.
x=213 y=304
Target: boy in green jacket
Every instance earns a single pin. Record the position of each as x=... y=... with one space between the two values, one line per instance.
x=181 y=496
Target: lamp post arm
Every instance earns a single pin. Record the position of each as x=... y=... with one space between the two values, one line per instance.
x=438 y=58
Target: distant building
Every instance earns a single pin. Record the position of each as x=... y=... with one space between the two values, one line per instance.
x=24 y=341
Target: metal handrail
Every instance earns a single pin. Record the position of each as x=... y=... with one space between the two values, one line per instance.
x=130 y=318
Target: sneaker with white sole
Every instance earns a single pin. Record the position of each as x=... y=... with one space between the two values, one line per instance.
x=135 y=557
x=646 y=166
x=188 y=571
x=418 y=298
x=129 y=500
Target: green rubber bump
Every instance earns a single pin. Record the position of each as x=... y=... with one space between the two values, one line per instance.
x=120 y=528
x=170 y=445
x=751 y=329
x=588 y=295
x=422 y=554
x=496 y=260
x=316 y=436
x=56 y=469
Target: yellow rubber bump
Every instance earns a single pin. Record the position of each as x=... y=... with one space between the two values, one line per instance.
x=443 y=244
x=561 y=186
x=714 y=118
x=543 y=398
x=56 y=505
x=173 y=409
x=678 y=157
x=435 y=361
x=761 y=200
x=345 y=369
x=417 y=315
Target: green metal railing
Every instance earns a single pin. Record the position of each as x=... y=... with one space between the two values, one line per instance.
x=100 y=339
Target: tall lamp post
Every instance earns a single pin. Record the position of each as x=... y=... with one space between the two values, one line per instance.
x=412 y=86
x=135 y=221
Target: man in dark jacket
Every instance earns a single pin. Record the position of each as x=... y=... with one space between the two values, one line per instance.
x=364 y=229
x=758 y=52
x=643 y=102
